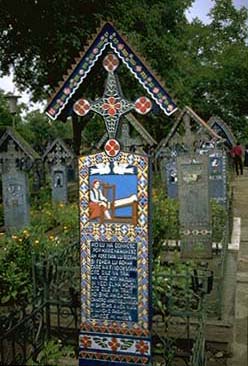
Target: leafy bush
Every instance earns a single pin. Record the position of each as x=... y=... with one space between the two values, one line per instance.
x=219 y=221
x=51 y=353
x=165 y=219
x=172 y=286
x=52 y=228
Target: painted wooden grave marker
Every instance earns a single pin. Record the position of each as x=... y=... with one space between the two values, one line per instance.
x=194 y=207
x=114 y=211
x=17 y=157
x=114 y=215
x=58 y=156
x=204 y=140
x=218 y=176
x=218 y=160
x=115 y=260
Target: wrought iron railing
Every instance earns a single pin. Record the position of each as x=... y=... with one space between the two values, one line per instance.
x=52 y=311
x=22 y=336
x=179 y=298
x=214 y=303
x=56 y=312
x=58 y=278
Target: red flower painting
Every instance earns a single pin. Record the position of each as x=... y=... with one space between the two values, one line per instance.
x=112 y=106
x=142 y=347
x=86 y=342
x=114 y=344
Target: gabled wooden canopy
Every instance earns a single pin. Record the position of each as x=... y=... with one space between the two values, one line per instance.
x=199 y=123
x=23 y=145
x=220 y=127
x=58 y=144
x=108 y=37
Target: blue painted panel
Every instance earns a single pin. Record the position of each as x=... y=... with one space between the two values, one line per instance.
x=125 y=186
x=114 y=281
x=217 y=177
x=115 y=261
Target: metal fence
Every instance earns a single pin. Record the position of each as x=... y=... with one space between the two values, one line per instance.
x=52 y=311
x=22 y=335
x=214 y=303
x=178 y=337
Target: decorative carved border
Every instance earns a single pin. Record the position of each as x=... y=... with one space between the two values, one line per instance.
x=109 y=37
x=137 y=334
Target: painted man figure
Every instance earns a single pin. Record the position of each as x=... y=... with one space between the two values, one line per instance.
x=98 y=202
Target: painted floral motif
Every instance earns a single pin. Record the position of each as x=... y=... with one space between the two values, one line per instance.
x=126 y=344
x=170 y=107
x=102 y=342
x=110 y=62
x=86 y=342
x=81 y=107
x=112 y=106
x=52 y=111
x=112 y=147
x=67 y=91
x=114 y=344
x=143 y=105
x=142 y=347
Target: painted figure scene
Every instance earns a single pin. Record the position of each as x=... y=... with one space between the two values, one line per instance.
x=124 y=180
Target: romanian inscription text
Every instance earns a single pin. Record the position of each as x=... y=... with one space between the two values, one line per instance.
x=114 y=283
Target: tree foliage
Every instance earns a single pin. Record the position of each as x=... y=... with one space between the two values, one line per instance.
x=5 y=116
x=215 y=65
x=41 y=38
x=203 y=65
x=35 y=127
x=38 y=130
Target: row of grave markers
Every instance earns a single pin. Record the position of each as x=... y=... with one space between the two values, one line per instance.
x=205 y=142
x=114 y=205
x=17 y=158
x=194 y=166
x=58 y=156
x=114 y=200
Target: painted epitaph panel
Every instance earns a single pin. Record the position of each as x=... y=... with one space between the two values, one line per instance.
x=218 y=176
x=115 y=274
x=15 y=200
x=114 y=278
x=194 y=207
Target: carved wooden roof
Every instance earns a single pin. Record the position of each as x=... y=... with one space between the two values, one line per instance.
x=58 y=151
x=108 y=37
x=218 y=125
x=200 y=124
x=23 y=146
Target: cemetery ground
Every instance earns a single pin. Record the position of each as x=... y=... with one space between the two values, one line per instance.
x=40 y=286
